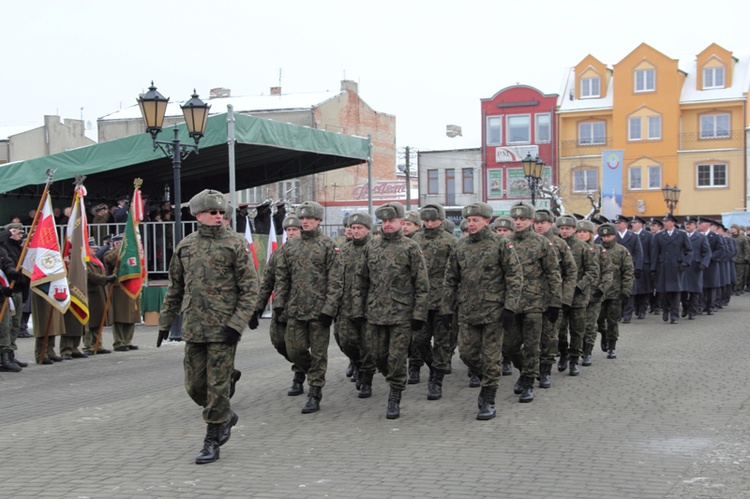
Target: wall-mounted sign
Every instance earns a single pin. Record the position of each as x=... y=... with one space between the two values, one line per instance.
x=514 y=154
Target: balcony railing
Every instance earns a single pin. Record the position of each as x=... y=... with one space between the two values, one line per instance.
x=700 y=140
x=572 y=147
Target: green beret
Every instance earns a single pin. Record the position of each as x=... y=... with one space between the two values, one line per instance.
x=477 y=209
x=565 y=221
x=310 y=209
x=291 y=221
x=13 y=225
x=607 y=229
x=586 y=225
x=522 y=210
x=544 y=216
x=413 y=217
x=504 y=222
x=432 y=212
x=449 y=226
x=389 y=211
x=207 y=200
x=361 y=219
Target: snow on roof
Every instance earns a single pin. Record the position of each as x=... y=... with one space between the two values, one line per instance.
x=258 y=103
x=740 y=82
x=7 y=131
x=566 y=104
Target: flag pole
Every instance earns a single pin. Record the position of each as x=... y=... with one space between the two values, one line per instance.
x=98 y=342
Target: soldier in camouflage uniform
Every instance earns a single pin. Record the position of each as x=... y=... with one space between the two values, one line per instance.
x=585 y=230
x=573 y=320
x=543 y=224
x=351 y=334
x=431 y=344
x=277 y=329
x=483 y=281
x=464 y=228
x=412 y=224
x=308 y=289
x=742 y=258
x=623 y=276
x=503 y=226
x=213 y=282
x=541 y=294
x=392 y=295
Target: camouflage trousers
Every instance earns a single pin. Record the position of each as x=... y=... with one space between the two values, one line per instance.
x=592 y=318
x=277 y=331
x=739 y=285
x=609 y=319
x=432 y=343
x=521 y=343
x=389 y=347
x=351 y=341
x=208 y=370
x=307 y=346
x=572 y=324
x=480 y=347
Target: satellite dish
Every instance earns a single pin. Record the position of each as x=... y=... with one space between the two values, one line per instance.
x=89 y=126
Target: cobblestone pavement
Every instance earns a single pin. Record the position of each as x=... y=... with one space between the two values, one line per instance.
x=667 y=419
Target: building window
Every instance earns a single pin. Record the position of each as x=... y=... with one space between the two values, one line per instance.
x=636 y=181
x=715 y=126
x=494 y=130
x=590 y=88
x=585 y=180
x=634 y=128
x=654 y=177
x=713 y=78
x=654 y=127
x=543 y=131
x=519 y=129
x=591 y=133
x=450 y=187
x=714 y=175
x=289 y=191
x=433 y=182
x=467 y=176
x=645 y=80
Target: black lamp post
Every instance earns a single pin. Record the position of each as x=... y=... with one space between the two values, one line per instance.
x=532 y=170
x=671 y=197
x=153 y=109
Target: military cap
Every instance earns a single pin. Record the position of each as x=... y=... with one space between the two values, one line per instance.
x=345 y=221
x=464 y=226
x=413 y=217
x=361 y=219
x=669 y=218
x=607 y=229
x=656 y=221
x=586 y=225
x=228 y=212
x=622 y=218
x=124 y=197
x=291 y=221
x=377 y=229
x=477 y=209
x=117 y=238
x=310 y=209
x=716 y=223
x=390 y=210
x=504 y=222
x=638 y=219
x=449 y=226
x=207 y=200
x=522 y=210
x=92 y=242
x=578 y=216
x=737 y=226
x=432 y=212
x=13 y=225
x=602 y=219
x=543 y=215
x=690 y=220
x=106 y=237
x=565 y=221
x=100 y=207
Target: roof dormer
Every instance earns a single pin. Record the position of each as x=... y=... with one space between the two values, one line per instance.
x=591 y=79
x=714 y=68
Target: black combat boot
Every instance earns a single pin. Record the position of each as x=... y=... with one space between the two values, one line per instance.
x=298 y=384
x=574 y=371
x=17 y=360
x=210 y=451
x=355 y=375
x=527 y=389
x=226 y=428
x=474 y=380
x=507 y=366
x=603 y=343
x=350 y=370
x=518 y=387
x=562 y=363
x=365 y=388
x=236 y=375
x=6 y=364
x=545 y=372
x=612 y=354
x=358 y=381
x=313 y=400
x=486 y=403
x=394 y=399
x=413 y=373
x=587 y=358
x=435 y=387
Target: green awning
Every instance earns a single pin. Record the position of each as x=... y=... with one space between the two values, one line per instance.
x=266 y=151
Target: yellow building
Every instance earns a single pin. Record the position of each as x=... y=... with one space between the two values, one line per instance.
x=677 y=122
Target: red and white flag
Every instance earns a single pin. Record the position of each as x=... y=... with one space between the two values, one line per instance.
x=75 y=253
x=272 y=242
x=6 y=284
x=249 y=239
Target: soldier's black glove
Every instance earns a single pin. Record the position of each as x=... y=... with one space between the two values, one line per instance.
x=7 y=291
x=111 y=278
x=506 y=318
x=598 y=293
x=684 y=266
x=652 y=274
x=13 y=274
x=357 y=321
x=253 y=322
x=553 y=313
x=637 y=273
x=447 y=320
x=163 y=335
x=701 y=266
x=325 y=319
x=231 y=336
x=565 y=308
x=278 y=311
x=416 y=324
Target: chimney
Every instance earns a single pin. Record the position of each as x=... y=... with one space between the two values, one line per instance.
x=219 y=92
x=349 y=86
x=275 y=90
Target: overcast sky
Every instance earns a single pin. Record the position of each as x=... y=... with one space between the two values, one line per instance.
x=428 y=63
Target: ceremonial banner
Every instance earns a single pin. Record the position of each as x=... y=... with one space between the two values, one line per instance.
x=131 y=271
x=74 y=255
x=612 y=183
x=249 y=239
x=272 y=241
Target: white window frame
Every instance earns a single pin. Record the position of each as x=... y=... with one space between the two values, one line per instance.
x=509 y=129
x=537 y=135
x=635 y=178
x=710 y=74
x=587 y=88
x=591 y=135
x=491 y=127
x=653 y=127
x=712 y=175
x=641 y=83
x=632 y=122
x=589 y=184
x=654 y=177
x=714 y=126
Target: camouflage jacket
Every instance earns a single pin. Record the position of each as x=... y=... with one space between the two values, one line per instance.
x=483 y=276
x=309 y=276
x=437 y=246
x=743 y=249
x=623 y=271
x=392 y=283
x=268 y=283
x=542 y=284
x=351 y=255
x=213 y=282
x=605 y=272
x=568 y=268
x=587 y=262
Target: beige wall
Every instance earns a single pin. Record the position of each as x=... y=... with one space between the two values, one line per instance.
x=52 y=138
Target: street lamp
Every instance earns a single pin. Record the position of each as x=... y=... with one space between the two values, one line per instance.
x=671 y=197
x=532 y=170
x=153 y=109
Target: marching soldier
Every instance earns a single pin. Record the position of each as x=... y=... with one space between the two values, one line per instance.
x=691 y=294
x=632 y=243
x=412 y=223
x=712 y=274
x=741 y=259
x=671 y=256
x=644 y=287
x=503 y=226
x=621 y=289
